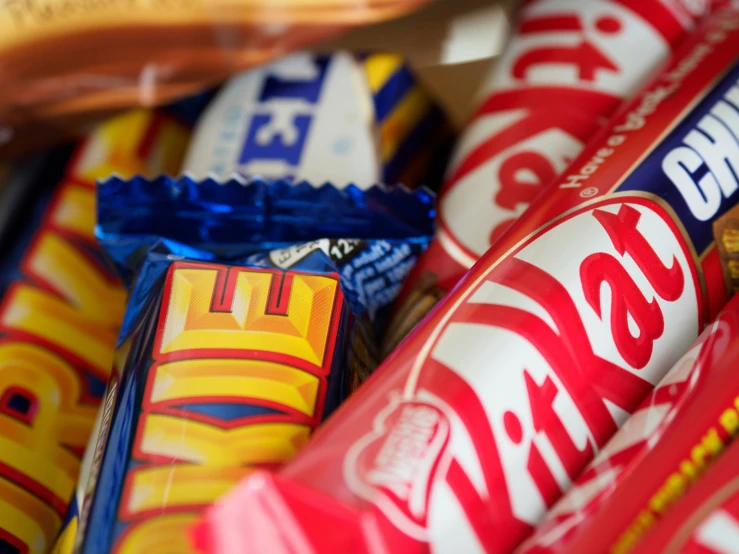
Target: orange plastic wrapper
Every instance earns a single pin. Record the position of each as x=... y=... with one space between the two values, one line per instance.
x=64 y=61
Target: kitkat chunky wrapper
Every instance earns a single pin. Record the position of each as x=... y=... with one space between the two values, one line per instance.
x=486 y=413
x=248 y=322
x=60 y=311
x=337 y=117
x=666 y=444
x=568 y=67
x=65 y=59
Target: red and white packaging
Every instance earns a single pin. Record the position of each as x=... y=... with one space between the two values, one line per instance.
x=566 y=70
x=485 y=415
x=681 y=396
x=706 y=520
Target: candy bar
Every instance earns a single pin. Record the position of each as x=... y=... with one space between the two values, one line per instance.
x=706 y=520
x=649 y=491
x=337 y=118
x=568 y=67
x=247 y=325
x=660 y=429
x=64 y=543
x=479 y=422
x=61 y=308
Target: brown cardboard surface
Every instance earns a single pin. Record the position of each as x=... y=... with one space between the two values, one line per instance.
x=451 y=44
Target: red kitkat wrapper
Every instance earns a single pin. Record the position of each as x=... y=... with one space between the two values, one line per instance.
x=484 y=416
x=706 y=520
x=677 y=429
x=567 y=69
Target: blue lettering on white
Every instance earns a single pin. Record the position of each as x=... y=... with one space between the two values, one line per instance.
x=274 y=134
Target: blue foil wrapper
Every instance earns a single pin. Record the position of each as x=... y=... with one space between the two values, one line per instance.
x=252 y=314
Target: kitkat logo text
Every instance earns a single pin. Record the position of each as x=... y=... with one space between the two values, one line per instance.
x=542 y=358
x=640 y=434
x=567 y=69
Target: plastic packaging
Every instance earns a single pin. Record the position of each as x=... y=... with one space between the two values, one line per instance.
x=248 y=322
x=341 y=118
x=706 y=521
x=60 y=313
x=65 y=60
x=663 y=429
x=566 y=70
x=484 y=416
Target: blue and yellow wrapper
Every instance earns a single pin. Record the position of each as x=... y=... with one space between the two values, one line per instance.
x=249 y=320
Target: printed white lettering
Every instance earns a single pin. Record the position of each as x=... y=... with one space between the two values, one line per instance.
x=703 y=201
x=713 y=144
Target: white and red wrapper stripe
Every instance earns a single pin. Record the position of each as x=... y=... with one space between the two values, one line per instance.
x=670 y=403
x=568 y=67
x=486 y=414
